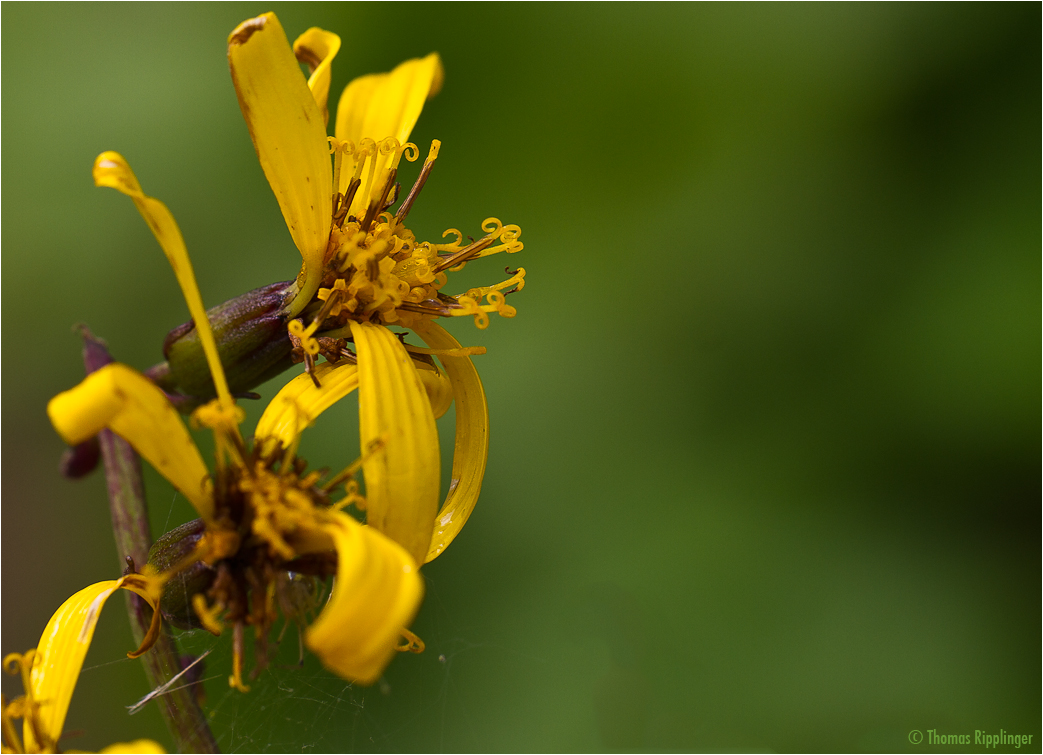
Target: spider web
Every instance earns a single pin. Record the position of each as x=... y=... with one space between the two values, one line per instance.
x=296 y=705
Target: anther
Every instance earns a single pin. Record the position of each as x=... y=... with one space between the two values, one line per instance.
x=331 y=301
x=467 y=253
x=238 y=650
x=425 y=309
x=379 y=205
x=309 y=369
x=342 y=213
x=395 y=190
x=429 y=163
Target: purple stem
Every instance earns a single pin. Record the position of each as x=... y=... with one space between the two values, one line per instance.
x=130 y=525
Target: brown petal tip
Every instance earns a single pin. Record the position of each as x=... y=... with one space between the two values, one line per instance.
x=242 y=33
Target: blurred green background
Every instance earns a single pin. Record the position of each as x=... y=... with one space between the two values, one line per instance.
x=764 y=470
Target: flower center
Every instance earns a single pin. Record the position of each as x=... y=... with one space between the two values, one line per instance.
x=376 y=271
x=265 y=546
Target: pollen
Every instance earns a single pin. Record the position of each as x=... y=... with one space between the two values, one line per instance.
x=376 y=270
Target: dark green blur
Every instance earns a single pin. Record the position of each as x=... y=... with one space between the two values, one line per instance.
x=765 y=460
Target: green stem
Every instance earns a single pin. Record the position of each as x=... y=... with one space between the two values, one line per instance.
x=130 y=525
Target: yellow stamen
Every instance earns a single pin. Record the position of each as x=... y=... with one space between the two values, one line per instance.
x=236 y=679
x=9 y=712
x=208 y=616
x=413 y=643
x=224 y=420
x=467 y=351
x=25 y=707
x=352 y=469
x=429 y=163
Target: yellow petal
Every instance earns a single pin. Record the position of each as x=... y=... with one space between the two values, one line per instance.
x=126 y=402
x=377 y=592
x=386 y=104
x=402 y=479
x=472 y=439
x=60 y=653
x=317 y=48
x=439 y=390
x=113 y=171
x=138 y=745
x=299 y=402
x=289 y=134
x=353 y=106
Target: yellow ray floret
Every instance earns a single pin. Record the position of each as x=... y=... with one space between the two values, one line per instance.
x=472 y=438
x=288 y=132
x=317 y=48
x=383 y=105
x=377 y=592
x=402 y=481
x=126 y=402
x=113 y=171
x=300 y=401
x=56 y=663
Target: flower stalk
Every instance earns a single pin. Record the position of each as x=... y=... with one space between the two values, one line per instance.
x=130 y=525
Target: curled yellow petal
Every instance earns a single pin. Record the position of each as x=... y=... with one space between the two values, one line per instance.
x=472 y=439
x=377 y=592
x=299 y=402
x=439 y=389
x=126 y=402
x=317 y=48
x=113 y=171
x=289 y=134
x=402 y=480
x=59 y=657
x=385 y=105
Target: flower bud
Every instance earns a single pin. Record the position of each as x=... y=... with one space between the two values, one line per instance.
x=250 y=331
x=171 y=548
x=80 y=460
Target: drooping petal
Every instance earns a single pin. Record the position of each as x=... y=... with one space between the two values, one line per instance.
x=402 y=478
x=59 y=657
x=113 y=171
x=126 y=402
x=317 y=48
x=472 y=439
x=289 y=134
x=377 y=593
x=299 y=402
x=386 y=104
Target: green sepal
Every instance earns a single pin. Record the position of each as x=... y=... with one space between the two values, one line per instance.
x=251 y=339
x=167 y=551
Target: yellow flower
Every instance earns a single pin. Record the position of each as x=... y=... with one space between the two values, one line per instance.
x=50 y=671
x=361 y=264
x=360 y=260
x=363 y=269
x=264 y=516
